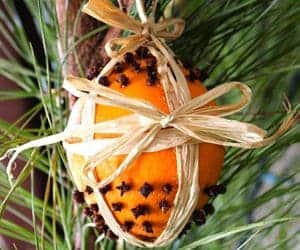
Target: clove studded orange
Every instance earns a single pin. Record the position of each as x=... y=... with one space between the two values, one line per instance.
x=142 y=197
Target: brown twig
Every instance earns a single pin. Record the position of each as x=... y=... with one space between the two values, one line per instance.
x=89 y=53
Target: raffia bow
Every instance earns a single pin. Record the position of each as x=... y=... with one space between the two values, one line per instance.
x=147 y=129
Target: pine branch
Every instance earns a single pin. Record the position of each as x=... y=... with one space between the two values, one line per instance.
x=254 y=41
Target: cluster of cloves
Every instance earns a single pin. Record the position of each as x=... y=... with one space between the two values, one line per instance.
x=132 y=60
x=142 y=53
x=145 y=190
x=199 y=215
x=93 y=212
x=140 y=210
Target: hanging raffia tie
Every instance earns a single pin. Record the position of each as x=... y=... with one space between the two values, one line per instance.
x=147 y=129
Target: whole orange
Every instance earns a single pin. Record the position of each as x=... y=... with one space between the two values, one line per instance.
x=142 y=197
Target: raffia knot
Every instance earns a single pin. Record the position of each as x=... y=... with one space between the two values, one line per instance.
x=147 y=31
x=165 y=122
x=193 y=121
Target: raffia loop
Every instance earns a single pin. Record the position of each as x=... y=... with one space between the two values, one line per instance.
x=119 y=46
x=195 y=119
x=106 y=12
x=147 y=129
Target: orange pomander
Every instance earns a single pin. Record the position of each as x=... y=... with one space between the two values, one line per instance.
x=142 y=197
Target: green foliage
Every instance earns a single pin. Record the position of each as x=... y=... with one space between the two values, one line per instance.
x=254 y=41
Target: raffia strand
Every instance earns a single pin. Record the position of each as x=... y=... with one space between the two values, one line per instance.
x=147 y=129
